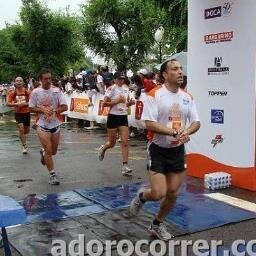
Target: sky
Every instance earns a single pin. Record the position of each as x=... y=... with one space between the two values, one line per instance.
x=9 y=10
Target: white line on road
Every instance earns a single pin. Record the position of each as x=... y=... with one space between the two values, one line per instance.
x=246 y=205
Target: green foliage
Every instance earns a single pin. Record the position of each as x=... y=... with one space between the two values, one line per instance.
x=47 y=39
x=12 y=63
x=122 y=30
x=119 y=30
x=175 y=23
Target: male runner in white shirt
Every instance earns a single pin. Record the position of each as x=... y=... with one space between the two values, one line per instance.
x=166 y=112
x=48 y=102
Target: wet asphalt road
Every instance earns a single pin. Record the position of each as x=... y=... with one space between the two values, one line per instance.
x=78 y=167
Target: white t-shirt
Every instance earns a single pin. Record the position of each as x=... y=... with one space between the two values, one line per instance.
x=114 y=92
x=52 y=97
x=68 y=87
x=171 y=110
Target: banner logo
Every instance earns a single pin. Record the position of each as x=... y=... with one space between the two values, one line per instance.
x=79 y=105
x=217 y=93
x=218 y=11
x=217 y=140
x=217 y=116
x=219 y=37
x=212 y=12
x=218 y=68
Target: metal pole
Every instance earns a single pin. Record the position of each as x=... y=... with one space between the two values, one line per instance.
x=160 y=52
x=7 y=250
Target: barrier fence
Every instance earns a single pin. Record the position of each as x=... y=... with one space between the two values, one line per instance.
x=79 y=108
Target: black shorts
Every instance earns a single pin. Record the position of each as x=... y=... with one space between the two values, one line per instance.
x=166 y=160
x=51 y=130
x=114 y=121
x=23 y=118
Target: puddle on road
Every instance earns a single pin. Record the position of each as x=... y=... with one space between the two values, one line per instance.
x=22 y=180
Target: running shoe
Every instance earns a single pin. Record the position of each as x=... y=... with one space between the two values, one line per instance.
x=126 y=170
x=54 y=180
x=101 y=153
x=42 y=156
x=160 y=231
x=136 y=204
x=24 y=149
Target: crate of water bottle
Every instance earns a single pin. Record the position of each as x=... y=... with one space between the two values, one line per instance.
x=217 y=180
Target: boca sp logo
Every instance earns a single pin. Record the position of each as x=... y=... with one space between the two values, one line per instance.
x=218 y=11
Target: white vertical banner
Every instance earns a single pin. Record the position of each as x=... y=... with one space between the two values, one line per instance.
x=221 y=77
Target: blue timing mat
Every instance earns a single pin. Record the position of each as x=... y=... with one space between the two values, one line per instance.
x=58 y=206
x=193 y=211
x=112 y=198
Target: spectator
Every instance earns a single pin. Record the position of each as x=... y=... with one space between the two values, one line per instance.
x=100 y=84
x=148 y=82
x=158 y=79
x=184 y=85
x=91 y=86
x=107 y=76
x=4 y=94
x=137 y=85
x=147 y=79
x=68 y=86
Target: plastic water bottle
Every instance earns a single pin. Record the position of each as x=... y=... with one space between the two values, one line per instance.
x=217 y=180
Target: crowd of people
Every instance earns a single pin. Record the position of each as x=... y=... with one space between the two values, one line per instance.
x=169 y=113
x=92 y=81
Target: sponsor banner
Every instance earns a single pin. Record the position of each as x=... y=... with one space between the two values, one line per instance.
x=78 y=107
x=221 y=78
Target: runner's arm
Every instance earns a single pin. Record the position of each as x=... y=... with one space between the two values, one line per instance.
x=10 y=101
x=109 y=103
x=36 y=110
x=159 y=128
x=194 y=120
x=12 y=104
x=194 y=127
x=25 y=104
x=150 y=116
x=61 y=108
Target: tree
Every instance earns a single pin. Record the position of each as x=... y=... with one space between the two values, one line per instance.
x=175 y=23
x=47 y=39
x=121 y=30
x=12 y=62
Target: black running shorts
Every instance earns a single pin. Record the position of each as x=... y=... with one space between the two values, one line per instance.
x=23 y=118
x=114 y=121
x=166 y=160
x=52 y=130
